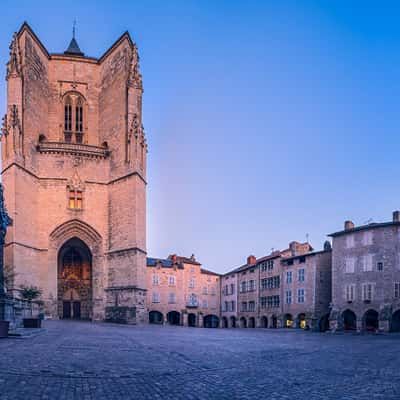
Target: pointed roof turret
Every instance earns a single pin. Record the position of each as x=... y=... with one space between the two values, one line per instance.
x=73 y=48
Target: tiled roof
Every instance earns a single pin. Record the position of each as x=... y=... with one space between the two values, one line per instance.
x=365 y=227
x=244 y=267
x=274 y=254
x=169 y=263
x=152 y=262
x=206 y=271
x=311 y=253
x=186 y=260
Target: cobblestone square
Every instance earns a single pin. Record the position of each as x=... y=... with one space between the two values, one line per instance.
x=78 y=360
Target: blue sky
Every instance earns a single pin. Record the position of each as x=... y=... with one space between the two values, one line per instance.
x=266 y=120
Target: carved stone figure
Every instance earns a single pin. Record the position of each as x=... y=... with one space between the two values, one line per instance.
x=135 y=77
x=4 y=127
x=14 y=64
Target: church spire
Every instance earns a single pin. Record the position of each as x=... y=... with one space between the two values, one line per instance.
x=73 y=48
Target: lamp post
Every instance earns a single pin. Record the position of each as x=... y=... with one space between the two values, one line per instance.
x=5 y=221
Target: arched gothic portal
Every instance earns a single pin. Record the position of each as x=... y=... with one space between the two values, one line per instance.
x=75 y=280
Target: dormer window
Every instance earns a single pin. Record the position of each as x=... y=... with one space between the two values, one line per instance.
x=73 y=121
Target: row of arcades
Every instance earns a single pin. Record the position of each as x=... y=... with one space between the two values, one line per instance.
x=347 y=321
x=370 y=320
x=213 y=321
x=184 y=319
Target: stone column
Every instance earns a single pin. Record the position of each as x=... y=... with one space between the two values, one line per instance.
x=385 y=317
x=359 y=325
x=185 y=319
x=200 y=323
x=384 y=326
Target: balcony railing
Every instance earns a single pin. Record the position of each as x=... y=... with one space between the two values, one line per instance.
x=192 y=304
x=73 y=148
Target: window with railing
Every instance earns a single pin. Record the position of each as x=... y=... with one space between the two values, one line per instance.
x=192 y=300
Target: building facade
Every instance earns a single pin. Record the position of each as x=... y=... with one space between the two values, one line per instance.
x=270 y=290
x=306 y=290
x=181 y=292
x=229 y=296
x=366 y=276
x=248 y=293
x=287 y=288
x=74 y=172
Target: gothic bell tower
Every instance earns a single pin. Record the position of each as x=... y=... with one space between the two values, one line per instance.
x=74 y=172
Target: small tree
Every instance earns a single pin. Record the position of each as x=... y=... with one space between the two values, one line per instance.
x=30 y=293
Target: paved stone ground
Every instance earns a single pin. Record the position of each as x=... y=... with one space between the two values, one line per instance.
x=78 y=360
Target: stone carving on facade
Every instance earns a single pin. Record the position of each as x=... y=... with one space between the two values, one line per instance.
x=14 y=124
x=5 y=129
x=137 y=139
x=14 y=117
x=75 y=183
x=14 y=66
x=135 y=77
x=4 y=126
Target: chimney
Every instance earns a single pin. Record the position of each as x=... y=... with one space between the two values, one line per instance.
x=348 y=225
x=396 y=216
x=293 y=248
x=192 y=257
x=174 y=258
x=251 y=260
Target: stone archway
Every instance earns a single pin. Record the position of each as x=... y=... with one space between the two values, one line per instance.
x=371 y=320
x=156 y=317
x=252 y=322
x=192 y=320
x=287 y=321
x=301 y=321
x=90 y=247
x=395 y=325
x=74 y=280
x=264 y=322
x=211 y=321
x=174 y=318
x=349 y=320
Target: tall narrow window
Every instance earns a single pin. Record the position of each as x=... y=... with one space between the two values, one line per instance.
x=73 y=118
x=68 y=120
x=156 y=297
x=78 y=121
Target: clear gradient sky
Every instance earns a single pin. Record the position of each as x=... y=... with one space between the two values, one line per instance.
x=266 y=120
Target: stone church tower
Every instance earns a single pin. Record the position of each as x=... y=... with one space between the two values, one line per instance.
x=74 y=172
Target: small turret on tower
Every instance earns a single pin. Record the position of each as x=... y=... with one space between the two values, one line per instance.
x=73 y=48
